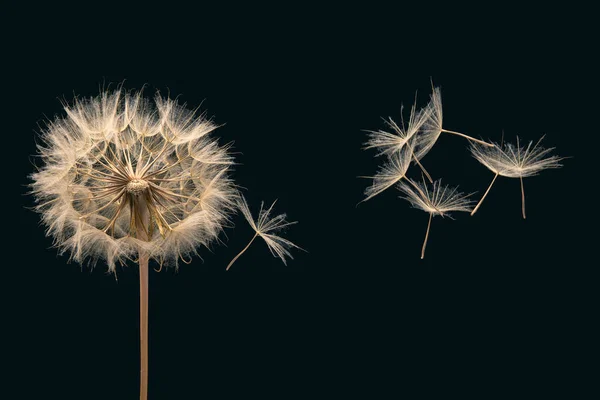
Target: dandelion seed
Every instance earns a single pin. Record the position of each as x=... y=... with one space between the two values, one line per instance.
x=265 y=227
x=432 y=128
x=439 y=200
x=389 y=143
x=390 y=173
x=514 y=162
x=124 y=179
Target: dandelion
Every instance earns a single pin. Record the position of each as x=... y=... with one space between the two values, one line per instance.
x=265 y=227
x=124 y=179
x=439 y=200
x=389 y=174
x=389 y=143
x=432 y=128
x=514 y=162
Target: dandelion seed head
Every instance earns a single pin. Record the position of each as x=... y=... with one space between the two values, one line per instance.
x=123 y=175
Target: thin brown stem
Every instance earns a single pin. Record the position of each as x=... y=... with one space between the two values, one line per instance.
x=424 y=170
x=468 y=137
x=522 y=197
x=241 y=252
x=485 y=194
x=426 y=237
x=143 y=261
x=419 y=163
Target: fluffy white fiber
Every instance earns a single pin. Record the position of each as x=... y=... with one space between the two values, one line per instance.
x=266 y=225
x=122 y=175
x=436 y=200
x=515 y=161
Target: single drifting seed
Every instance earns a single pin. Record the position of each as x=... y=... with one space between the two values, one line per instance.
x=514 y=161
x=437 y=200
x=265 y=226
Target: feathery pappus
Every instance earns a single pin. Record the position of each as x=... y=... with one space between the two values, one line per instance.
x=437 y=200
x=266 y=226
x=514 y=161
x=398 y=147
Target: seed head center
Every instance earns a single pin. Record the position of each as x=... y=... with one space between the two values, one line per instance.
x=136 y=186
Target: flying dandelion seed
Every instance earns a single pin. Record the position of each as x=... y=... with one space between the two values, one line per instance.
x=514 y=162
x=432 y=128
x=124 y=179
x=390 y=173
x=439 y=200
x=265 y=227
x=389 y=143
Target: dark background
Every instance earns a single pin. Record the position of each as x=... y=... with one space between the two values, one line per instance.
x=498 y=300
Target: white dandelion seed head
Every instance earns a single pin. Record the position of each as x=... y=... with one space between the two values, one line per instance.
x=436 y=199
x=266 y=226
x=515 y=161
x=123 y=175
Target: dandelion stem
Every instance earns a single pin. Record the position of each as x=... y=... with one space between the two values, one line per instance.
x=522 y=197
x=143 y=262
x=485 y=194
x=468 y=137
x=426 y=236
x=241 y=252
